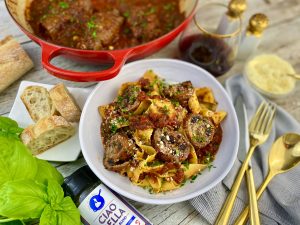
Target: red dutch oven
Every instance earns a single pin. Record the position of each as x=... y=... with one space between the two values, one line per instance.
x=17 y=9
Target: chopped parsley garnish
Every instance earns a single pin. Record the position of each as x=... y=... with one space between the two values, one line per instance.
x=186 y=164
x=153 y=83
x=169 y=26
x=119 y=100
x=151 y=11
x=168 y=6
x=63 y=5
x=183 y=183
x=91 y=24
x=113 y=128
x=178 y=92
x=126 y=14
x=162 y=85
x=175 y=102
x=121 y=120
x=144 y=24
x=116 y=123
x=156 y=163
x=126 y=30
x=198 y=138
x=165 y=109
x=132 y=99
x=44 y=16
x=94 y=34
x=208 y=159
x=193 y=178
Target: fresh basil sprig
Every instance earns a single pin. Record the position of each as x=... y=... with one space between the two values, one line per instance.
x=28 y=199
x=29 y=187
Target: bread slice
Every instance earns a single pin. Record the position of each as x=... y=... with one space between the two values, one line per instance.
x=14 y=62
x=38 y=102
x=64 y=103
x=46 y=133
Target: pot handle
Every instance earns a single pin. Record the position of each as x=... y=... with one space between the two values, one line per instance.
x=51 y=51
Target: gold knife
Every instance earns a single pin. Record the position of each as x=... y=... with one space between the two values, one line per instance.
x=243 y=148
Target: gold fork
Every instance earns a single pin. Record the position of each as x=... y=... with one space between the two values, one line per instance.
x=259 y=130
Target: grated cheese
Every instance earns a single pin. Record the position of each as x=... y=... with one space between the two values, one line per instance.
x=269 y=73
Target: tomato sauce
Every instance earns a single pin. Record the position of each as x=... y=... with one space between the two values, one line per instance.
x=103 y=24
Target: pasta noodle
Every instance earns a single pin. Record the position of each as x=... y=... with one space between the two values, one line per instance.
x=160 y=135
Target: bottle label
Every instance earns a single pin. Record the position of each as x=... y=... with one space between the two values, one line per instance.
x=101 y=206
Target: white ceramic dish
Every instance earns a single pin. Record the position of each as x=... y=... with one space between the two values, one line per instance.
x=64 y=152
x=173 y=70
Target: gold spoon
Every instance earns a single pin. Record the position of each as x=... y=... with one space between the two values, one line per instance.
x=295 y=76
x=283 y=156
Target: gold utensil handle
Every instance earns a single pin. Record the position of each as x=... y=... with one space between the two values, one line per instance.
x=254 y=215
x=225 y=212
x=242 y=219
x=296 y=76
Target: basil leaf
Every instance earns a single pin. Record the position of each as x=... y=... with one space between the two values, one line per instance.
x=60 y=211
x=14 y=222
x=70 y=215
x=45 y=171
x=9 y=128
x=15 y=161
x=55 y=194
x=23 y=199
x=49 y=216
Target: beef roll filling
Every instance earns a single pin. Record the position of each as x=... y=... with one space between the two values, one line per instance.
x=171 y=146
x=180 y=92
x=119 y=149
x=129 y=101
x=199 y=129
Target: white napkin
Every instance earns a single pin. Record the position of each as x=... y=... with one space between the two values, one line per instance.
x=280 y=202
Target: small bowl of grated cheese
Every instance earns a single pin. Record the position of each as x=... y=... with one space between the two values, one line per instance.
x=267 y=73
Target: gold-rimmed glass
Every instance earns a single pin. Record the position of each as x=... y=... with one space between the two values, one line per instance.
x=207 y=44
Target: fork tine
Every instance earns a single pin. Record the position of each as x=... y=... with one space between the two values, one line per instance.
x=265 y=119
x=271 y=118
x=260 y=117
x=266 y=122
x=253 y=122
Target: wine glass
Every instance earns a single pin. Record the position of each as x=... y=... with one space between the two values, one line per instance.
x=208 y=44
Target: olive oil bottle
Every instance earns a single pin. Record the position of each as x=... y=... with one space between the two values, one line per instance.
x=97 y=203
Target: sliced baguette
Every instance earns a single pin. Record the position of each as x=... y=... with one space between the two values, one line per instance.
x=14 y=62
x=46 y=133
x=64 y=103
x=38 y=102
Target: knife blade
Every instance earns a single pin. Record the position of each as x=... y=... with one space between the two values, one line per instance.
x=243 y=126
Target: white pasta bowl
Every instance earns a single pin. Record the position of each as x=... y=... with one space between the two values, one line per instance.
x=171 y=70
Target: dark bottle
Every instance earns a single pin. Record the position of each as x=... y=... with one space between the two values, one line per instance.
x=97 y=203
x=209 y=52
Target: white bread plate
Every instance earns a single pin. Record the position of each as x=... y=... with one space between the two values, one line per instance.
x=171 y=70
x=66 y=151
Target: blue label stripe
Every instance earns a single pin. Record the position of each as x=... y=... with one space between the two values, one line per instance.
x=131 y=220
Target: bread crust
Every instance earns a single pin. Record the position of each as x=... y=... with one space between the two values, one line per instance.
x=64 y=103
x=14 y=62
x=46 y=133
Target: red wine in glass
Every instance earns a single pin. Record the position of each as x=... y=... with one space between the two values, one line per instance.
x=210 y=53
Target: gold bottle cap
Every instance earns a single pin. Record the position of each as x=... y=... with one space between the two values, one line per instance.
x=257 y=24
x=236 y=8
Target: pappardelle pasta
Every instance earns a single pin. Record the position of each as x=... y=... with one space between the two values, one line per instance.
x=160 y=135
